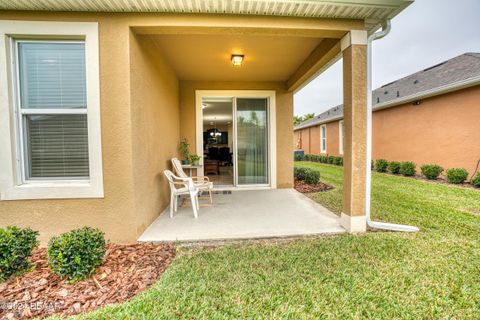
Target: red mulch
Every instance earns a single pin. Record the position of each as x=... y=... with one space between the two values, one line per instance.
x=303 y=187
x=125 y=271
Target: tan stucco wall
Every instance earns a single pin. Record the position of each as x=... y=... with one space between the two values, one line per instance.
x=114 y=214
x=284 y=112
x=139 y=111
x=355 y=106
x=311 y=139
x=442 y=130
x=155 y=127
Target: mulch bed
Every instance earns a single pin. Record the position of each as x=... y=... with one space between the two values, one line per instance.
x=125 y=271
x=303 y=187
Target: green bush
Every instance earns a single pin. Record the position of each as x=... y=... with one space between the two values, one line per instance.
x=394 y=167
x=308 y=175
x=76 y=254
x=299 y=173
x=476 y=180
x=431 y=171
x=298 y=157
x=16 y=246
x=408 y=168
x=381 y=165
x=338 y=161
x=457 y=175
x=312 y=177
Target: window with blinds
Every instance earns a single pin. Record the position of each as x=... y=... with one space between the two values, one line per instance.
x=53 y=107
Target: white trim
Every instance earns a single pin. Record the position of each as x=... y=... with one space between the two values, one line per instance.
x=353 y=224
x=322 y=137
x=11 y=186
x=459 y=85
x=456 y=86
x=354 y=37
x=270 y=94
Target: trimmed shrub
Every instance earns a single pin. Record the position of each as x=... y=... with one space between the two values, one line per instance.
x=476 y=180
x=408 y=168
x=338 y=161
x=312 y=177
x=76 y=254
x=457 y=175
x=308 y=175
x=381 y=165
x=431 y=171
x=299 y=173
x=394 y=167
x=16 y=246
x=298 y=157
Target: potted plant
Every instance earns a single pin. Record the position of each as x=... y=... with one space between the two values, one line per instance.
x=183 y=148
x=194 y=159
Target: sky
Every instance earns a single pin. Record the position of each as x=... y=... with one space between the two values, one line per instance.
x=424 y=34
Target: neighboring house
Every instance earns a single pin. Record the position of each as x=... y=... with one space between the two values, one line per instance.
x=431 y=116
x=95 y=97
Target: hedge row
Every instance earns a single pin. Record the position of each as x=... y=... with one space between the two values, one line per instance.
x=308 y=175
x=429 y=171
x=406 y=168
x=338 y=161
x=74 y=255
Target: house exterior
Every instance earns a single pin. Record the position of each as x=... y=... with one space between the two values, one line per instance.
x=428 y=117
x=95 y=97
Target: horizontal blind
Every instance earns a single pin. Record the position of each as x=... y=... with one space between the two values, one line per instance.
x=52 y=75
x=57 y=145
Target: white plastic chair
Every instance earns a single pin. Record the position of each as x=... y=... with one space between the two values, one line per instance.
x=186 y=187
x=200 y=182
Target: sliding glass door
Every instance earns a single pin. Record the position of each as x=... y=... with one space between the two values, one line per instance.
x=251 y=122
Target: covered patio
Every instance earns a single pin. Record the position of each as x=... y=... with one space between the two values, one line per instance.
x=253 y=214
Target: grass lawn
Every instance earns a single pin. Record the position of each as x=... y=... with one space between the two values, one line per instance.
x=434 y=274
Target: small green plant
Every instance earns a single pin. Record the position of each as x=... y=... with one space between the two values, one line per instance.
x=457 y=175
x=299 y=173
x=298 y=157
x=308 y=175
x=184 y=148
x=476 y=180
x=338 y=161
x=313 y=177
x=408 y=168
x=431 y=171
x=194 y=159
x=381 y=165
x=16 y=246
x=394 y=167
x=76 y=254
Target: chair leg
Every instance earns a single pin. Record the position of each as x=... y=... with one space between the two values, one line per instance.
x=172 y=204
x=193 y=196
x=210 y=193
x=197 y=201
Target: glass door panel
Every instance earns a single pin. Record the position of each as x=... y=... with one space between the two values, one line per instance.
x=251 y=119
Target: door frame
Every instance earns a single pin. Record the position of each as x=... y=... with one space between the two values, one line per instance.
x=272 y=132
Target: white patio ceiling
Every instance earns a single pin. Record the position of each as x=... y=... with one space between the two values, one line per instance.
x=372 y=11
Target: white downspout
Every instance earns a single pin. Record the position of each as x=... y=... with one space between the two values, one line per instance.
x=368 y=179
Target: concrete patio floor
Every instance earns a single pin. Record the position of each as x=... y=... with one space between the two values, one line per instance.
x=246 y=215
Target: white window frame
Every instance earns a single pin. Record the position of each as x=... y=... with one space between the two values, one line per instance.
x=323 y=137
x=340 y=137
x=13 y=186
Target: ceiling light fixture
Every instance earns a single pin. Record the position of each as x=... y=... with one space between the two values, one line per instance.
x=237 y=59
